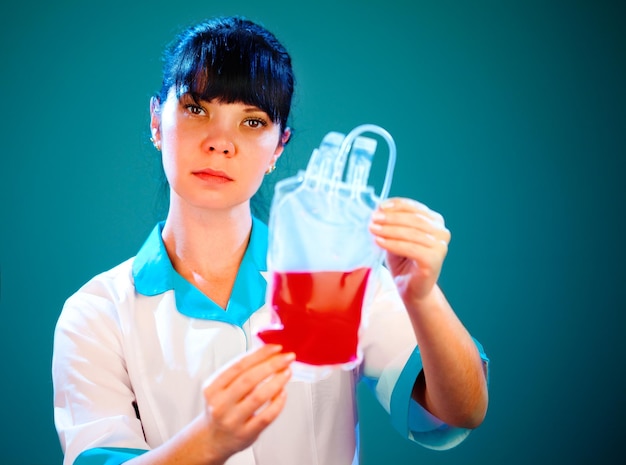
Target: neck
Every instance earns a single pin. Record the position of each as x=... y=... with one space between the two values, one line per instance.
x=207 y=243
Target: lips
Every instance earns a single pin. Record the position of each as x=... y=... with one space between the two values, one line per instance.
x=208 y=174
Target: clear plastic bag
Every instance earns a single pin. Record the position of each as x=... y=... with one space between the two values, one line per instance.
x=321 y=253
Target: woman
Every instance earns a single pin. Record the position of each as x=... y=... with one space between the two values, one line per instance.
x=153 y=360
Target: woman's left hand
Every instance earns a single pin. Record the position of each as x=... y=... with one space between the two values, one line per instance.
x=416 y=241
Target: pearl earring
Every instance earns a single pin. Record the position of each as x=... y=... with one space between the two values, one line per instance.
x=157 y=144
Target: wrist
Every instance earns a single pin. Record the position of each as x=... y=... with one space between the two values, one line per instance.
x=421 y=302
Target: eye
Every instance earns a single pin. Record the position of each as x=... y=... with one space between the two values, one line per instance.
x=194 y=109
x=191 y=105
x=255 y=122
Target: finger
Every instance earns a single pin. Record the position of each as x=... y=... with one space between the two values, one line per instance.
x=395 y=210
x=232 y=410
x=261 y=397
x=402 y=204
x=412 y=244
x=264 y=417
x=411 y=228
x=431 y=252
x=268 y=413
x=240 y=364
x=408 y=224
x=246 y=381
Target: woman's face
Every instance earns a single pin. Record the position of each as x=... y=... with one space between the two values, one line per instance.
x=214 y=154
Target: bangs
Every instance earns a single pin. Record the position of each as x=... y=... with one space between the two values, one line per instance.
x=234 y=69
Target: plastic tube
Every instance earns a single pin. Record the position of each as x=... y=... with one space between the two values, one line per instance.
x=345 y=147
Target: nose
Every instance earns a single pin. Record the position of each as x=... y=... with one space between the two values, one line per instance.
x=219 y=142
x=226 y=148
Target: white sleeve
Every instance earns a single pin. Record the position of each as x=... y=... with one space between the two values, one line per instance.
x=387 y=339
x=392 y=362
x=93 y=399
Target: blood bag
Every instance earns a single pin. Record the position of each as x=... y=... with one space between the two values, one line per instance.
x=321 y=253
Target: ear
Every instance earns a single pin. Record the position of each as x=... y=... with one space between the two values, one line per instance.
x=284 y=138
x=155 y=119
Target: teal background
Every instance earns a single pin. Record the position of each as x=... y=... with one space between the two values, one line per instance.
x=509 y=118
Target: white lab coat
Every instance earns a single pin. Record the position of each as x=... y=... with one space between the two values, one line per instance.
x=138 y=338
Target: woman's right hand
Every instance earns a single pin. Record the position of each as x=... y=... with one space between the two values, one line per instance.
x=243 y=399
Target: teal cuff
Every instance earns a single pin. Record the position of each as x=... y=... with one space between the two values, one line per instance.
x=107 y=456
x=411 y=420
x=402 y=391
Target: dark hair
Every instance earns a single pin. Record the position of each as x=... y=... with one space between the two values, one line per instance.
x=231 y=59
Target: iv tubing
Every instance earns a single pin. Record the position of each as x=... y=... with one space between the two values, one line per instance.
x=345 y=146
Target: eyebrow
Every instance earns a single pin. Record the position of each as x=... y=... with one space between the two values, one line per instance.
x=248 y=108
x=253 y=109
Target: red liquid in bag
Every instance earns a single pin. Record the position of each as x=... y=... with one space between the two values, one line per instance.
x=320 y=314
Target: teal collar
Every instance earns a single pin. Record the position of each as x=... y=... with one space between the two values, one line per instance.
x=154 y=274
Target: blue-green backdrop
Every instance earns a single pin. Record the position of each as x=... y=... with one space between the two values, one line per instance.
x=509 y=118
